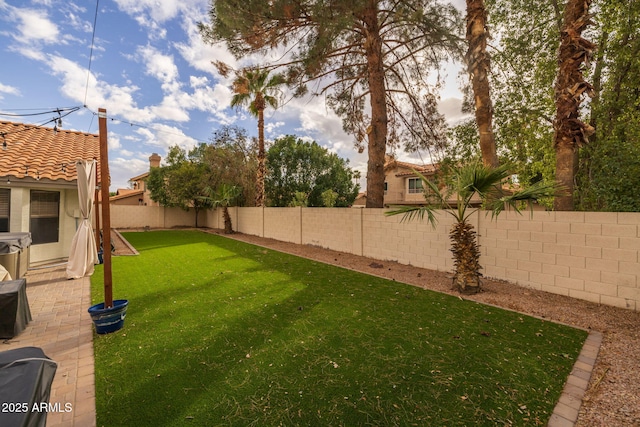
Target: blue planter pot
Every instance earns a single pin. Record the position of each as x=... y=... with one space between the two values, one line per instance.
x=109 y=320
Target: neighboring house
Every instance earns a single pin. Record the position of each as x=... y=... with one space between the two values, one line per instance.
x=38 y=188
x=401 y=185
x=139 y=195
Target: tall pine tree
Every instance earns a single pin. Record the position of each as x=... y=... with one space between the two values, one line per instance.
x=369 y=57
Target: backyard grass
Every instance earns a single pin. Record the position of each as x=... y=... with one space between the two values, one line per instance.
x=220 y=332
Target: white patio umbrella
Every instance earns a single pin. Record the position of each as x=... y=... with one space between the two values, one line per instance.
x=83 y=254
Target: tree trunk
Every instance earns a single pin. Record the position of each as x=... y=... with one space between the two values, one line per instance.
x=478 y=66
x=570 y=131
x=228 y=228
x=377 y=134
x=261 y=161
x=466 y=258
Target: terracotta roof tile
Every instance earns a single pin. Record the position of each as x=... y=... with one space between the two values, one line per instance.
x=391 y=163
x=125 y=194
x=42 y=153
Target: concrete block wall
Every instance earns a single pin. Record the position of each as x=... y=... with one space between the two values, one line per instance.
x=331 y=228
x=246 y=220
x=408 y=242
x=123 y=216
x=587 y=255
x=592 y=256
x=283 y=224
x=128 y=216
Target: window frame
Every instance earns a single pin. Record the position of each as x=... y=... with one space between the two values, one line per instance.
x=44 y=225
x=415 y=190
x=5 y=210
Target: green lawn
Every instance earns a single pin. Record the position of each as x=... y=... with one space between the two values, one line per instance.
x=219 y=332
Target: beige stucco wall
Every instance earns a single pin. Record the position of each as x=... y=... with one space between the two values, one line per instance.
x=398 y=188
x=127 y=201
x=587 y=255
x=395 y=187
x=69 y=213
x=330 y=228
x=283 y=224
x=123 y=216
x=251 y=220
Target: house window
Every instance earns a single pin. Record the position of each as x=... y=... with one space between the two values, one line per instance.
x=44 y=221
x=415 y=185
x=5 y=197
x=385 y=187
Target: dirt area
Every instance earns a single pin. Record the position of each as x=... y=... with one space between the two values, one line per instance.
x=613 y=396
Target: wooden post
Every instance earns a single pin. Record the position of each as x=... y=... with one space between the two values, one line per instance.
x=96 y=202
x=106 y=218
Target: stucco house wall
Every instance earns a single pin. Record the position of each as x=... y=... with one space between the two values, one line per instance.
x=41 y=158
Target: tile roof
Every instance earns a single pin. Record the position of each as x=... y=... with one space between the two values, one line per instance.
x=391 y=163
x=125 y=194
x=43 y=153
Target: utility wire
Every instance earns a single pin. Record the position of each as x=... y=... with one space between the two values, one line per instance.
x=57 y=120
x=55 y=110
x=93 y=37
x=120 y=121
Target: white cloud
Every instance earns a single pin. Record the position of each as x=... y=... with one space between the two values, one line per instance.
x=29 y=52
x=35 y=26
x=198 y=82
x=200 y=55
x=170 y=109
x=9 y=90
x=166 y=136
x=270 y=127
x=451 y=108
x=319 y=121
x=124 y=167
x=160 y=66
x=159 y=11
x=118 y=100
x=113 y=140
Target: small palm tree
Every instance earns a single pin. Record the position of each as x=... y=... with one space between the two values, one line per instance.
x=471 y=185
x=255 y=88
x=225 y=196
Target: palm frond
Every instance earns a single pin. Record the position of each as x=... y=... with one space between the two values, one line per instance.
x=240 y=99
x=532 y=193
x=271 y=101
x=434 y=191
x=409 y=213
x=480 y=179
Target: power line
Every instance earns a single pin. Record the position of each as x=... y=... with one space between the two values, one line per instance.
x=93 y=37
x=121 y=121
x=50 y=111
x=57 y=120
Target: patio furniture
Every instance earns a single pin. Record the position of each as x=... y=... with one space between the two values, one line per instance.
x=26 y=375
x=14 y=252
x=14 y=308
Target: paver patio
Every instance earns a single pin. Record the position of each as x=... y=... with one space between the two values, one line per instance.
x=62 y=328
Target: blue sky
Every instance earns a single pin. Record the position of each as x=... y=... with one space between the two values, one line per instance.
x=149 y=68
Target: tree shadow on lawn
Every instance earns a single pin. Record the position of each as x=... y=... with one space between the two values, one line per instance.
x=319 y=345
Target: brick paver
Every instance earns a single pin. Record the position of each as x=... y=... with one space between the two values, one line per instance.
x=63 y=329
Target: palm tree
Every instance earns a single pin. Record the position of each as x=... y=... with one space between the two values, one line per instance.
x=254 y=87
x=478 y=67
x=470 y=185
x=224 y=197
x=570 y=131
